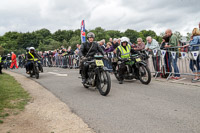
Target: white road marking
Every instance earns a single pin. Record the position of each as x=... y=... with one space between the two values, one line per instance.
x=58 y=74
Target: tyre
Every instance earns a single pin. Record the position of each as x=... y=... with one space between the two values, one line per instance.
x=31 y=73
x=116 y=72
x=36 y=73
x=144 y=74
x=85 y=86
x=103 y=83
x=41 y=69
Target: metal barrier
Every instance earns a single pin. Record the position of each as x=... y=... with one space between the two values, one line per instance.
x=175 y=61
x=67 y=61
x=165 y=62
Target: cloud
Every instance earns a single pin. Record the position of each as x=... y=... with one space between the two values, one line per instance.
x=157 y=15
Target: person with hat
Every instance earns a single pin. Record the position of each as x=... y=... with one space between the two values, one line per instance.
x=31 y=55
x=123 y=53
x=88 y=49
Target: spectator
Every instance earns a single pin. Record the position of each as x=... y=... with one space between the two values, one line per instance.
x=152 y=45
x=115 y=43
x=140 y=45
x=101 y=43
x=70 y=51
x=109 y=47
x=194 y=46
x=104 y=42
x=14 y=60
x=110 y=40
x=119 y=41
x=173 y=43
x=167 y=59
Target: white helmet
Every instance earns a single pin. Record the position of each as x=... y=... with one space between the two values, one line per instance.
x=32 y=48
x=124 y=39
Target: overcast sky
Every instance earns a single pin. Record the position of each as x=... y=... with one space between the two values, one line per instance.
x=157 y=15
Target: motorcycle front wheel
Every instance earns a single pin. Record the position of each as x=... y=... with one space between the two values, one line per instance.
x=103 y=83
x=144 y=75
x=36 y=72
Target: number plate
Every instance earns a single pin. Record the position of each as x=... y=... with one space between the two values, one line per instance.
x=138 y=59
x=99 y=63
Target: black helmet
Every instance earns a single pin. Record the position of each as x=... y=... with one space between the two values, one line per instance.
x=90 y=35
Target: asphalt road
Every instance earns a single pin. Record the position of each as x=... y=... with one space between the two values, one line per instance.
x=160 y=107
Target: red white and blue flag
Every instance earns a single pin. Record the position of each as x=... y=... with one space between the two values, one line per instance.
x=83 y=32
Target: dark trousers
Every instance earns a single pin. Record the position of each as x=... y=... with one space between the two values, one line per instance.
x=156 y=63
x=122 y=70
x=168 y=65
x=29 y=66
x=84 y=68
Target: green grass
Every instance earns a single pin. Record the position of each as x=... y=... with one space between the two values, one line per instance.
x=13 y=97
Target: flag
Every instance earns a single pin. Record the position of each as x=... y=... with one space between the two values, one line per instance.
x=83 y=31
x=163 y=52
x=195 y=54
x=173 y=55
x=155 y=52
x=183 y=55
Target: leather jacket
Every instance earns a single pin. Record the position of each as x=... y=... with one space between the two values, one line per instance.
x=93 y=48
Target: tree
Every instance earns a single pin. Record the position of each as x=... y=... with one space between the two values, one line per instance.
x=178 y=35
x=162 y=34
x=188 y=36
x=132 y=35
x=74 y=40
x=114 y=34
x=1 y=50
x=44 y=40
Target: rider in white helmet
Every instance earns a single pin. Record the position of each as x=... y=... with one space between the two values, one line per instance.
x=123 y=52
x=31 y=55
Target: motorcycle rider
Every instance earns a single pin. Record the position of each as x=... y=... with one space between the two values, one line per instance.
x=31 y=55
x=8 y=59
x=123 y=53
x=88 y=49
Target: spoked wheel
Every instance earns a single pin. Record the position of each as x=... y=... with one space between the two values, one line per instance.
x=41 y=69
x=116 y=72
x=36 y=73
x=31 y=73
x=104 y=83
x=144 y=74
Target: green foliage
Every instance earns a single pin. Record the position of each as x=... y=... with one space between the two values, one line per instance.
x=44 y=40
x=12 y=96
x=189 y=36
x=178 y=35
x=132 y=34
x=1 y=50
x=74 y=40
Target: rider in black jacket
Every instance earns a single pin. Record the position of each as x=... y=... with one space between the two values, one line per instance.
x=88 y=49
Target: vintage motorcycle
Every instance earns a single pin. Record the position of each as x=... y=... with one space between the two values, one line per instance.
x=136 y=69
x=35 y=69
x=98 y=75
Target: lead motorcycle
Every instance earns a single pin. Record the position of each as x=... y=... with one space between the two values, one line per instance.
x=136 y=69
x=35 y=69
x=98 y=75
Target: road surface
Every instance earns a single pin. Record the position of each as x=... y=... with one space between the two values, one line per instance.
x=132 y=107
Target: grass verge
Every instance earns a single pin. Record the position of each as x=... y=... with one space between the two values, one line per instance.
x=13 y=97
